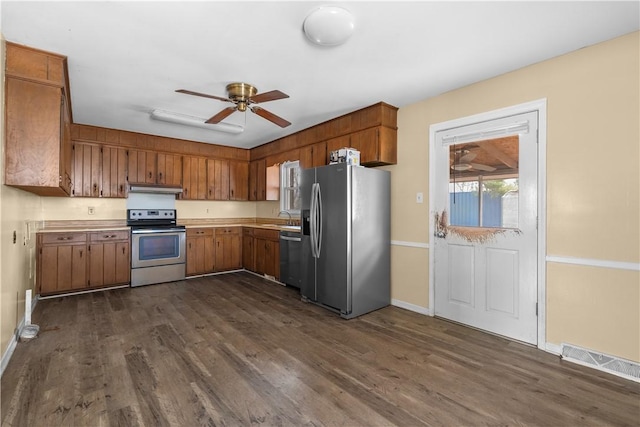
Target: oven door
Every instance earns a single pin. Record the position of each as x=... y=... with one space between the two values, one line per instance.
x=154 y=247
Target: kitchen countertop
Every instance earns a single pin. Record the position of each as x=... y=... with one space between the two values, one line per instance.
x=84 y=228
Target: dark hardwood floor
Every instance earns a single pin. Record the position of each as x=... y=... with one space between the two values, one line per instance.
x=238 y=350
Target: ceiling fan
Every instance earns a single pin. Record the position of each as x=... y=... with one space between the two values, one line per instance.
x=243 y=95
x=462 y=161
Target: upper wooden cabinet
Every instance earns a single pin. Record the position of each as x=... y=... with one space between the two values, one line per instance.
x=38 y=119
x=313 y=155
x=142 y=167
x=218 y=179
x=169 y=169
x=228 y=180
x=258 y=180
x=194 y=178
x=87 y=170
x=238 y=180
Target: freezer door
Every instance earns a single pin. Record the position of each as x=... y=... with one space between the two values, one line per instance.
x=308 y=267
x=333 y=266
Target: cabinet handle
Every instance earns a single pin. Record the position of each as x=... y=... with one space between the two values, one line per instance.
x=123 y=251
x=80 y=253
x=107 y=236
x=189 y=245
x=209 y=192
x=150 y=175
x=65 y=238
x=159 y=176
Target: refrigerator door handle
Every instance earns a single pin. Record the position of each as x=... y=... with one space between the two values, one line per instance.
x=319 y=207
x=312 y=221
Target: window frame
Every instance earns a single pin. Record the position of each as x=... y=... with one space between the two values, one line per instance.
x=286 y=187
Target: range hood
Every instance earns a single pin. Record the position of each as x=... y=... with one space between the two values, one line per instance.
x=155 y=189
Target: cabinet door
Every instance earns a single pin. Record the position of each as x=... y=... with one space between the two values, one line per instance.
x=114 y=172
x=194 y=178
x=336 y=143
x=261 y=255
x=238 y=180
x=123 y=263
x=63 y=268
x=98 y=264
x=248 y=262
x=228 y=249
x=33 y=137
x=272 y=259
x=192 y=256
x=200 y=252
x=141 y=167
x=87 y=180
x=258 y=180
x=48 y=263
x=169 y=169
x=313 y=155
x=366 y=142
x=218 y=179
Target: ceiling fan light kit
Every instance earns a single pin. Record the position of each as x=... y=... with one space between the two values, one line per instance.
x=186 y=120
x=329 y=26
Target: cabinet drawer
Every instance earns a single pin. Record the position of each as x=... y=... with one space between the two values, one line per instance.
x=222 y=231
x=266 y=234
x=63 y=238
x=247 y=231
x=108 y=235
x=197 y=232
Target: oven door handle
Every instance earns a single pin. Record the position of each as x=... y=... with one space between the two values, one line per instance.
x=156 y=231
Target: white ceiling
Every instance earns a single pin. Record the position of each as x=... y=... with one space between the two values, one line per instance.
x=127 y=58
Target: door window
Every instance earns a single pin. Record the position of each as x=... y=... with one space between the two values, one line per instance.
x=483 y=183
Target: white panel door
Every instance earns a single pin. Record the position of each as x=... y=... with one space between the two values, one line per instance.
x=486 y=234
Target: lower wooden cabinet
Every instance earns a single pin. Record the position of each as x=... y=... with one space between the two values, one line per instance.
x=109 y=258
x=200 y=251
x=76 y=261
x=267 y=252
x=248 y=252
x=228 y=248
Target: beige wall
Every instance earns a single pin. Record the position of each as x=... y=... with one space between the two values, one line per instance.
x=593 y=187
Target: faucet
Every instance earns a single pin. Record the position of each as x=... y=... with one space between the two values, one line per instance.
x=289 y=221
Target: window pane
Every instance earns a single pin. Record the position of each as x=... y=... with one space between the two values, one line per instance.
x=483 y=183
x=500 y=203
x=289 y=189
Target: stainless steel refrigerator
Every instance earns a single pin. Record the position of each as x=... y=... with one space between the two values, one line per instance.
x=346 y=238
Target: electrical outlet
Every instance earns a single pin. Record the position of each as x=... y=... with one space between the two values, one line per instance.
x=91 y=210
x=419 y=198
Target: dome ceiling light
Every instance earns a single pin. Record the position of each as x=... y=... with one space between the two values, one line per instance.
x=329 y=26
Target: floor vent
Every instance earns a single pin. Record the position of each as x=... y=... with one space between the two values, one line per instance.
x=611 y=364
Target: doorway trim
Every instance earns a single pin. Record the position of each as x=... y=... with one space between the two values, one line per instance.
x=539 y=105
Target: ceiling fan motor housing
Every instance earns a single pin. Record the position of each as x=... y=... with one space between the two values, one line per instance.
x=240 y=94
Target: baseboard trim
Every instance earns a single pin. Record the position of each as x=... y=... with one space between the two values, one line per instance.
x=411 y=307
x=13 y=342
x=553 y=349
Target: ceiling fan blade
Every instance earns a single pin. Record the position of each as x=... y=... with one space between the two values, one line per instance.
x=270 y=116
x=204 y=95
x=268 y=96
x=482 y=167
x=467 y=157
x=221 y=115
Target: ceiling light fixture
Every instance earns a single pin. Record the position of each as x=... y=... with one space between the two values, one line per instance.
x=186 y=120
x=329 y=26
